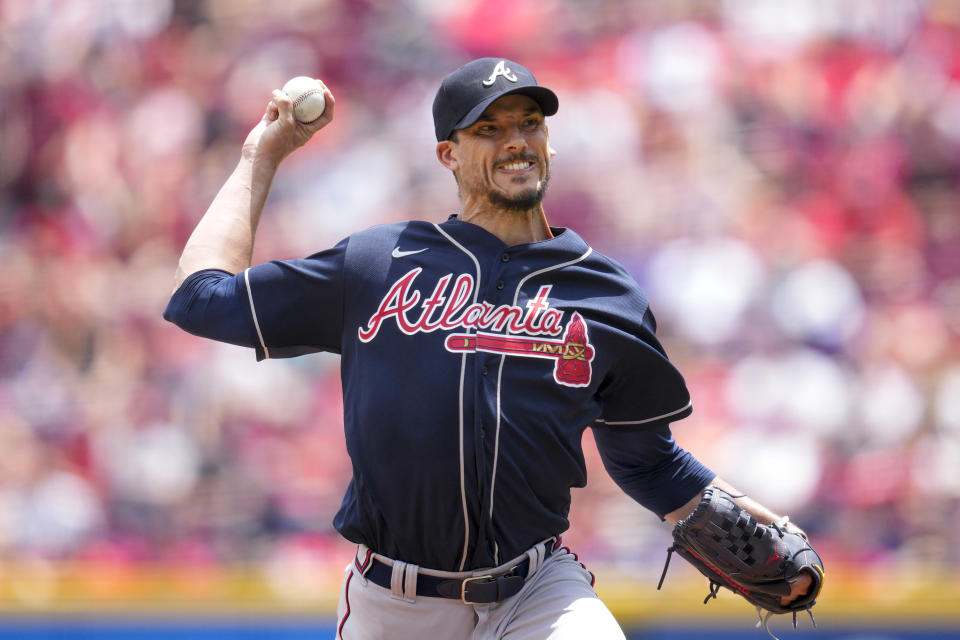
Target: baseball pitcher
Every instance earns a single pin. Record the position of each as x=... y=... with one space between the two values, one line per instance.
x=518 y=336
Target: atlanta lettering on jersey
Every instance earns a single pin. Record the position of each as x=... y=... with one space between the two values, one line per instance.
x=453 y=309
x=456 y=311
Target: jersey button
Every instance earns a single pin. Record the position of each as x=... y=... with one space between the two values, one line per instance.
x=500 y=285
x=505 y=257
x=484 y=371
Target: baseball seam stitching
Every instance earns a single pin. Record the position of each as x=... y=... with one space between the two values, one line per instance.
x=304 y=96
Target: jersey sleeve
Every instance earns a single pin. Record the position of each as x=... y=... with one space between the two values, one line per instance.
x=643 y=387
x=282 y=308
x=650 y=467
x=211 y=304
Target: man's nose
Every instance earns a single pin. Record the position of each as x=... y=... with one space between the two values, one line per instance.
x=515 y=140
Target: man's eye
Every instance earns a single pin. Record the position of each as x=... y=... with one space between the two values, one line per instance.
x=487 y=129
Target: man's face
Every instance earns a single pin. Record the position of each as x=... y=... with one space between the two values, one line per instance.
x=504 y=156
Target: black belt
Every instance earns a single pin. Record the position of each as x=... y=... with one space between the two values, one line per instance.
x=482 y=589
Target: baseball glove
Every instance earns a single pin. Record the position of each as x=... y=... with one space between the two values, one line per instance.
x=727 y=545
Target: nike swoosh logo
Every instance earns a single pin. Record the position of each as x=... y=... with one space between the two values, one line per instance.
x=397 y=253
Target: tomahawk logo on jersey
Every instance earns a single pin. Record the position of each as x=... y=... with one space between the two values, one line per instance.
x=572 y=355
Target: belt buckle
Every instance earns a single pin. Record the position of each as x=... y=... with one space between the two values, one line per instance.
x=463 y=588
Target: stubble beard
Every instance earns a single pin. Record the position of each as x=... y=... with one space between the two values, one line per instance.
x=523 y=201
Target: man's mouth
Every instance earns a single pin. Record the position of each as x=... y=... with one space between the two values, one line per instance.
x=518 y=165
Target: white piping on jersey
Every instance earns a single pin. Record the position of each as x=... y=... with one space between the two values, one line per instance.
x=654 y=419
x=496 y=448
x=253 y=311
x=503 y=358
x=463 y=367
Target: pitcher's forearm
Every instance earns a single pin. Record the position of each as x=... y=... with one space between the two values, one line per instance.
x=223 y=239
x=760 y=512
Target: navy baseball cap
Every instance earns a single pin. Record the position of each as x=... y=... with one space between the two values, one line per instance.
x=465 y=93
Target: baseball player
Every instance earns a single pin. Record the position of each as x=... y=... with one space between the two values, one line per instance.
x=517 y=335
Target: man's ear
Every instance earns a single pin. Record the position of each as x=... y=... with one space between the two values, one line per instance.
x=550 y=148
x=445 y=155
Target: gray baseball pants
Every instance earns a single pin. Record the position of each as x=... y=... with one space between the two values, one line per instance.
x=557 y=602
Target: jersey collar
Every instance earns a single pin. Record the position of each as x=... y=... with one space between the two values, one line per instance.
x=564 y=240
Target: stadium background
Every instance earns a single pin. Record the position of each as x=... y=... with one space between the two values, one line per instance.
x=781 y=175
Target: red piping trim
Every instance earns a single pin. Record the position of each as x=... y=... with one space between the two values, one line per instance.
x=346 y=598
x=366 y=562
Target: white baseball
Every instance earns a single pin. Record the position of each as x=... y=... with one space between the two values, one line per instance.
x=307 y=96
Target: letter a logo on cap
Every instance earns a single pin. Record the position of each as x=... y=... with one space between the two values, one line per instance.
x=500 y=70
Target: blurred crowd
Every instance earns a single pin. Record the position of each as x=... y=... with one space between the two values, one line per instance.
x=781 y=176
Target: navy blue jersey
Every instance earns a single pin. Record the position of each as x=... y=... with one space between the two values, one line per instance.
x=470 y=371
